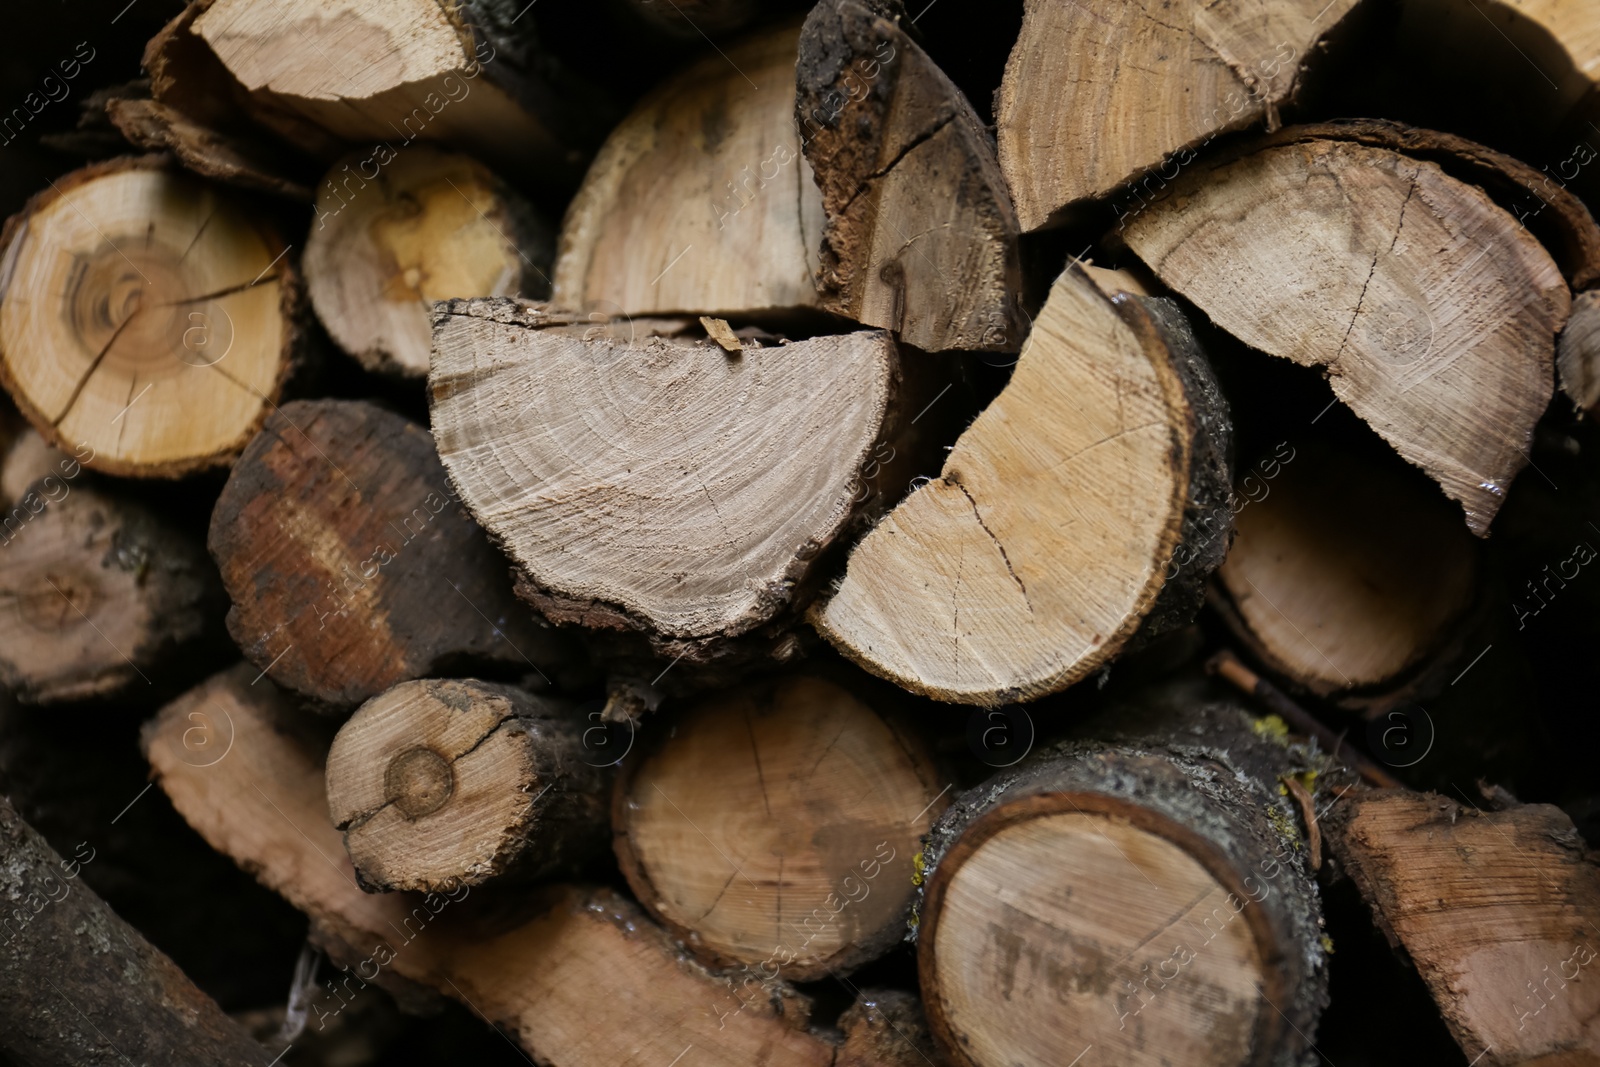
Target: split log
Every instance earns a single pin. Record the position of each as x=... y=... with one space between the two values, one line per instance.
x=263 y=803
x=1578 y=353
x=147 y=316
x=96 y=593
x=1096 y=94
x=659 y=485
x=921 y=238
x=885 y=1028
x=1435 y=321
x=351 y=568
x=1496 y=909
x=464 y=73
x=154 y=126
x=1349 y=578
x=1550 y=211
x=1049 y=539
x=796 y=854
x=700 y=202
x=437 y=225
x=1148 y=895
x=80 y=986
x=443 y=784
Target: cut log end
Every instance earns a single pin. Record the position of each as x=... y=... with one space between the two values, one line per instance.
x=442 y=784
x=973 y=590
x=1097 y=93
x=1416 y=292
x=656 y=484
x=146 y=316
x=1349 y=574
x=433 y=225
x=797 y=852
x=98 y=593
x=1025 y=969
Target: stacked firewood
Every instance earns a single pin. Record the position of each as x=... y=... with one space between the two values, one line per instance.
x=764 y=559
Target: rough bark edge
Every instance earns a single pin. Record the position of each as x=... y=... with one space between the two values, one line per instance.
x=292 y=312
x=828 y=43
x=801 y=578
x=65 y=943
x=156 y=127
x=849 y=957
x=1215 y=801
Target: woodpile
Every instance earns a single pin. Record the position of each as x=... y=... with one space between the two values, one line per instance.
x=839 y=536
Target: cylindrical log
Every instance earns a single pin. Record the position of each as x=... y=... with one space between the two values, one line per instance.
x=885 y=1028
x=1414 y=290
x=28 y=458
x=1351 y=576
x=147 y=316
x=1085 y=506
x=662 y=485
x=775 y=827
x=79 y=986
x=96 y=592
x=1150 y=898
x=441 y=784
x=538 y=973
x=351 y=568
x=429 y=226
x=897 y=151
x=1578 y=353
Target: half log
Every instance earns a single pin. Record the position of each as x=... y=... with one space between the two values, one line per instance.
x=350 y=566
x=442 y=784
x=1432 y=311
x=795 y=856
x=657 y=484
x=1050 y=537
x=147 y=316
x=1496 y=909
x=1097 y=92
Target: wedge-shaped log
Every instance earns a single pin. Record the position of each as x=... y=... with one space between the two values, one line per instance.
x=1053 y=532
x=921 y=238
x=1432 y=311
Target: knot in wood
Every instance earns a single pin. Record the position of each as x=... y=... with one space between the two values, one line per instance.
x=419 y=782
